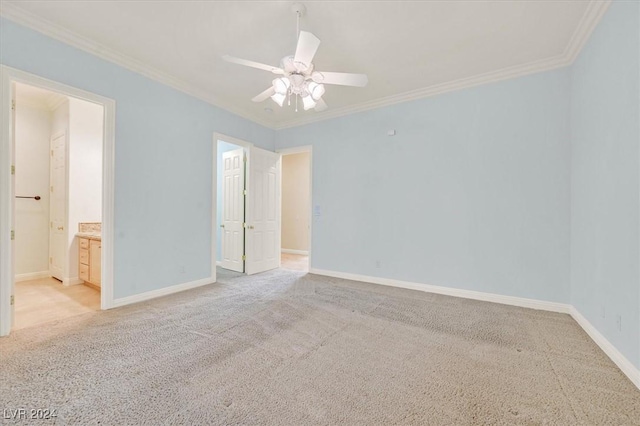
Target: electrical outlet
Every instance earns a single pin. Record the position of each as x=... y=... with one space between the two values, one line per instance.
x=182 y=269
x=602 y=312
x=619 y=322
x=378 y=264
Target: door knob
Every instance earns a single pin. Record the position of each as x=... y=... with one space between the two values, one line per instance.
x=60 y=228
x=222 y=225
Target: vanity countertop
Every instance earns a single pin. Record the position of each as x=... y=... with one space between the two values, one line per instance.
x=90 y=235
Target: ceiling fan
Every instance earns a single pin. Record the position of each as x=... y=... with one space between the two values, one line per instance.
x=298 y=77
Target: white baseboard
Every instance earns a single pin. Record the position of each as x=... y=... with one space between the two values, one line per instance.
x=72 y=281
x=455 y=292
x=136 y=298
x=616 y=356
x=292 y=251
x=32 y=276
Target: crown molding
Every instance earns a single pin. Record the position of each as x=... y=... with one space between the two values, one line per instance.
x=591 y=17
x=451 y=86
x=48 y=28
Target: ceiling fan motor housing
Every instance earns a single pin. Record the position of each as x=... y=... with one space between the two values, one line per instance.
x=289 y=65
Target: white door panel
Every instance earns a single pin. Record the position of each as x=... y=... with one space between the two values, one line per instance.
x=263 y=211
x=57 y=207
x=232 y=226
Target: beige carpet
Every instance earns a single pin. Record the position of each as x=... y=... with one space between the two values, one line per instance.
x=288 y=349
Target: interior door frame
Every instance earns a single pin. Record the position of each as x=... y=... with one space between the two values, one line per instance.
x=214 y=191
x=10 y=75
x=298 y=150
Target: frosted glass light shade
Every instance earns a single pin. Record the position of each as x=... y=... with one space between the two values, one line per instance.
x=278 y=98
x=315 y=90
x=281 y=85
x=308 y=102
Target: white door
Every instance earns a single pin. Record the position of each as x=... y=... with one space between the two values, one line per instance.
x=263 y=211
x=57 y=206
x=232 y=226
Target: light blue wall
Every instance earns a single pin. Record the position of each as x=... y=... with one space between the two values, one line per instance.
x=472 y=193
x=605 y=128
x=164 y=160
x=222 y=148
x=528 y=187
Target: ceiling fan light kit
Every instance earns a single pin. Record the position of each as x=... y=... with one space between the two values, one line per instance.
x=281 y=85
x=298 y=78
x=279 y=98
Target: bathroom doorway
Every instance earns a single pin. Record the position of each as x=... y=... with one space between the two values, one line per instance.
x=59 y=199
x=58 y=205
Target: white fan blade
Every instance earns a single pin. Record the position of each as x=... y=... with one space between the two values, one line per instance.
x=252 y=64
x=341 y=78
x=264 y=95
x=306 y=48
x=321 y=105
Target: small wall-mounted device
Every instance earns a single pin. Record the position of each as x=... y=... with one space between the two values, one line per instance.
x=391 y=132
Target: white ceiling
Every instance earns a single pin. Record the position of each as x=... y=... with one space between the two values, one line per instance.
x=37 y=97
x=408 y=49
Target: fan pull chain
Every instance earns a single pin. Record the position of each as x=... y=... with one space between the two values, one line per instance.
x=296 y=103
x=297 y=25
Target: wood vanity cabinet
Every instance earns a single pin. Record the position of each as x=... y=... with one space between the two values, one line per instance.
x=89 y=266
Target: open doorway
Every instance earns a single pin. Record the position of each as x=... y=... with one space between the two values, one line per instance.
x=296 y=208
x=56 y=202
x=247 y=205
x=58 y=205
